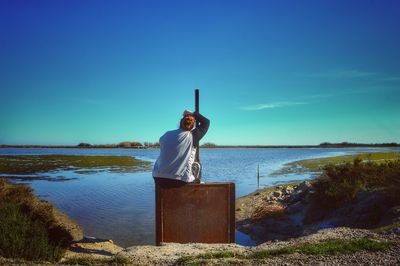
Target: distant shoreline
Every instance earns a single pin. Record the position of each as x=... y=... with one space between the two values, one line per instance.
x=111 y=146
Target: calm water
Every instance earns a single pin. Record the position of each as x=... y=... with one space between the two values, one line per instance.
x=121 y=206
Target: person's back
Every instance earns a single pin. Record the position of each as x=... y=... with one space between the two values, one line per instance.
x=176 y=156
x=178 y=149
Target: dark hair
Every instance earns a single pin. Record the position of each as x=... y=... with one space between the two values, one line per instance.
x=187 y=122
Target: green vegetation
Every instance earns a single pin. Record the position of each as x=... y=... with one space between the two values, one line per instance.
x=317 y=165
x=351 y=144
x=31 y=164
x=339 y=246
x=25 y=227
x=340 y=184
x=328 y=247
x=89 y=261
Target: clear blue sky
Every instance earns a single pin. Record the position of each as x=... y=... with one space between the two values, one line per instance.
x=269 y=72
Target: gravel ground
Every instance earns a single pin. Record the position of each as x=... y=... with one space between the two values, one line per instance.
x=168 y=254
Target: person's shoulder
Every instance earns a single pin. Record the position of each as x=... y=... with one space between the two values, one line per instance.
x=173 y=132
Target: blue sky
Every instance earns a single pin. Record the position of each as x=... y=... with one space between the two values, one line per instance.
x=269 y=72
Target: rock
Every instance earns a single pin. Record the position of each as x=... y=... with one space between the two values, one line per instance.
x=287 y=190
x=305 y=185
x=296 y=196
x=277 y=194
x=296 y=207
x=391 y=216
x=307 y=198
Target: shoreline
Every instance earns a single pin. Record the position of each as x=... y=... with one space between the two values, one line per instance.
x=113 y=146
x=284 y=205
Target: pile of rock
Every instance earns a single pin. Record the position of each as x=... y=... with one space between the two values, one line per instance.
x=288 y=211
x=274 y=213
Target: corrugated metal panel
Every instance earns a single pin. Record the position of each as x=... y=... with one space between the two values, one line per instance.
x=195 y=213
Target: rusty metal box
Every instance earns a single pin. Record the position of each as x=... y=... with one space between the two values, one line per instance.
x=195 y=213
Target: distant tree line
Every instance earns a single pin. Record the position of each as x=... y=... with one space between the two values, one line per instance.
x=155 y=145
x=124 y=144
x=353 y=144
x=208 y=145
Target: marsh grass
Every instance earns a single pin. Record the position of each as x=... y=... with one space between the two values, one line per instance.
x=25 y=226
x=31 y=164
x=317 y=165
x=320 y=163
x=24 y=237
x=328 y=247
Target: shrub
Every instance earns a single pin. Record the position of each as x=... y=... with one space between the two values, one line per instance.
x=340 y=184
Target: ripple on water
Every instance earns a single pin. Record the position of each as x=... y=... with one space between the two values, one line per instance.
x=120 y=206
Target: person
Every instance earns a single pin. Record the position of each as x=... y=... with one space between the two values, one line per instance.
x=178 y=150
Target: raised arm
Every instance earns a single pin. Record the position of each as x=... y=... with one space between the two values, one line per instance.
x=201 y=129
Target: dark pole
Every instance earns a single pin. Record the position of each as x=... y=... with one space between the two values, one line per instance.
x=197 y=109
x=196 y=98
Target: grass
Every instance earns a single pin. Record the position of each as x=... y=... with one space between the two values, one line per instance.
x=328 y=247
x=271 y=210
x=89 y=261
x=22 y=233
x=24 y=237
x=32 y=164
x=339 y=246
x=317 y=165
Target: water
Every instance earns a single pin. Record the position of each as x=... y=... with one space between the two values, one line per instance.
x=120 y=206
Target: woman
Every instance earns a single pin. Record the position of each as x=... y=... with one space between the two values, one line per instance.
x=178 y=150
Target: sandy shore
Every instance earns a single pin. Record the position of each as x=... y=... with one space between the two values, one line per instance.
x=172 y=253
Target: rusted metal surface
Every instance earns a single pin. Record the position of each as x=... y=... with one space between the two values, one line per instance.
x=195 y=213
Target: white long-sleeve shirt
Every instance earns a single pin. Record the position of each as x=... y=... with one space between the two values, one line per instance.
x=178 y=150
x=176 y=156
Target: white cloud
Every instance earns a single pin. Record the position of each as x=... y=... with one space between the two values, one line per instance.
x=273 y=105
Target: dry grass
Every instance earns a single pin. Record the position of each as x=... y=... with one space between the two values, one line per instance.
x=268 y=210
